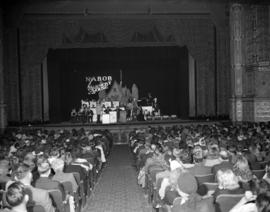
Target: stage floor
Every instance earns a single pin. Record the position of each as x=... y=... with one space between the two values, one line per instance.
x=129 y=125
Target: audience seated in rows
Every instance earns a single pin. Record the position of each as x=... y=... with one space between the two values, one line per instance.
x=223 y=159
x=52 y=163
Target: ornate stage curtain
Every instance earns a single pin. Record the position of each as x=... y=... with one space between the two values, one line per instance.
x=37 y=35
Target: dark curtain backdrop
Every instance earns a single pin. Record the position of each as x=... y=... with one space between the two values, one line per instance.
x=162 y=71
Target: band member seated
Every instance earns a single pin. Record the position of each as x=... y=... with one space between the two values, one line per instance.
x=99 y=111
x=149 y=99
x=129 y=109
x=90 y=115
x=73 y=115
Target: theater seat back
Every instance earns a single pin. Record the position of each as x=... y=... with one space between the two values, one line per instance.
x=225 y=202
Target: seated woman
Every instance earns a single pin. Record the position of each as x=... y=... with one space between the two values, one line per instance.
x=242 y=171
x=266 y=177
x=156 y=160
x=168 y=187
x=213 y=157
x=173 y=164
x=228 y=183
x=185 y=185
x=258 y=199
x=254 y=156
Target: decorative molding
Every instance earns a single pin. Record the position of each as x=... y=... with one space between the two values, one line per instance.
x=262 y=110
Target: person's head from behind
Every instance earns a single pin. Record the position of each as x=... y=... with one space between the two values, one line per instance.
x=58 y=165
x=15 y=196
x=23 y=174
x=242 y=170
x=224 y=155
x=227 y=179
x=241 y=163
x=263 y=202
x=257 y=186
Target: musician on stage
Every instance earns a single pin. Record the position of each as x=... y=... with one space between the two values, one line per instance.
x=90 y=115
x=135 y=108
x=129 y=109
x=149 y=99
x=155 y=106
x=73 y=115
x=99 y=111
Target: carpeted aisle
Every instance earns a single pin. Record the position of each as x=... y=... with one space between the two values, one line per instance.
x=117 y=189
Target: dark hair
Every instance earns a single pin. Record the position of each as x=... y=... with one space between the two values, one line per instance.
x=15 y=194
x=263 y=202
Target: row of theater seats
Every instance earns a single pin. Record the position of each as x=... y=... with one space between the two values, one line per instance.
x=144 y=148
x=66 y=199
x=223 y=202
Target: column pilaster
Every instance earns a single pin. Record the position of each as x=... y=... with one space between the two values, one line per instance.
x=3 y=111
x=237 y=60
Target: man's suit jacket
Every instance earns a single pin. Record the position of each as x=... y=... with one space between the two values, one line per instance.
x=49 y=184
x=76 y=168
x=40 y=197
x=63 y=177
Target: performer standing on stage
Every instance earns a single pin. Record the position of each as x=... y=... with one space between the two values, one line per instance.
x=134 y=108
x=155 y=106
x=149 y=99
x=99 y=110
x=90 y=115
x=73 y=115
x=129 y=109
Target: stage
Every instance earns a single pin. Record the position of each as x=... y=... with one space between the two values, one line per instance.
x=129 y=125
x=121 y=131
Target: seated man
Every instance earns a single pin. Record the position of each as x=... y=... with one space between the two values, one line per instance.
x=16 y=197
x=45 y=181
x=4 y=173
x=199 y=168
x=185 y=185
x=58 y=167
x=36 y=196
x=71 y=167
x=213 y=157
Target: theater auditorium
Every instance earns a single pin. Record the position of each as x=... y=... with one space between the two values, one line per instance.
x=135 y=106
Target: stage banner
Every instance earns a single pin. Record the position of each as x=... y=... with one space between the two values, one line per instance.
x=98 y=83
